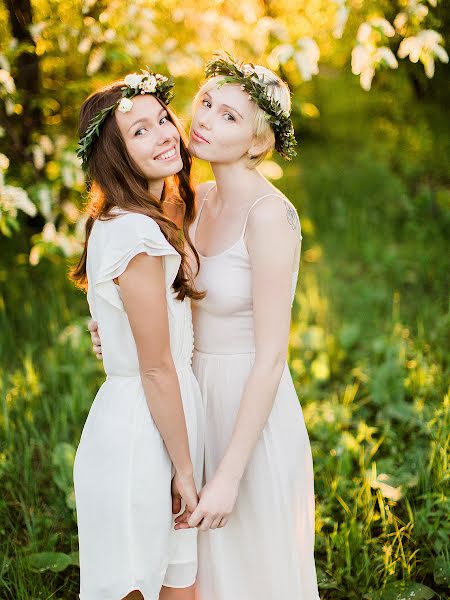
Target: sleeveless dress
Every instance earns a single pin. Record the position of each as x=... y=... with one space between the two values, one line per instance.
x=122 y=471
x=266 y=550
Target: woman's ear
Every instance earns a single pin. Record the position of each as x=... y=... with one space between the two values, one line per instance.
x=260 y=145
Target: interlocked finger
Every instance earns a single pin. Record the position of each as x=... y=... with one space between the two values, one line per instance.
x=215 y=523
x=206 y=523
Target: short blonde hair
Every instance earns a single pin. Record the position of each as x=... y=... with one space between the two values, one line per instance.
x=275 y=88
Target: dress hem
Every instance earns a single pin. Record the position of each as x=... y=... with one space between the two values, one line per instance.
x=124 y=594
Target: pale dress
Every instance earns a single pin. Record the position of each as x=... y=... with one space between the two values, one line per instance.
x=266 y=551
x=122 y=470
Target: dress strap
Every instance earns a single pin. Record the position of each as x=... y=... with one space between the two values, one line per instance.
x=254 y=203
x=197 y=218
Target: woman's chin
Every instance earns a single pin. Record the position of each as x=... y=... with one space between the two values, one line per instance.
x=171 y=168
x=197 y=151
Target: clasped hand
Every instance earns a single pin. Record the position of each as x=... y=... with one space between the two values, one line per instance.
x=212 y=508
x=217 y=500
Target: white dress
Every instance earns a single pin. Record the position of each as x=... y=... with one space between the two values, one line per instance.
x=122 y=471
x=266 y=550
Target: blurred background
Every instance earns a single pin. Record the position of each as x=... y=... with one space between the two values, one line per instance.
x=369 y=340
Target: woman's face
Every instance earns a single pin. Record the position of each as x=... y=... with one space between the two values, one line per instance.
x=222 y=125
x=151 y=139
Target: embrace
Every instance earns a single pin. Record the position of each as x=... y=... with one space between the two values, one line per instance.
x=193 y=476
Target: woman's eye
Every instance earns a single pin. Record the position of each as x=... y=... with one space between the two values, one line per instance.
x=231 y=118
x=164 y=120
x=139 y=130
x=206 y=103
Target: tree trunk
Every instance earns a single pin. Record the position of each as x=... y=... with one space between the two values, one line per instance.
x=26 y=73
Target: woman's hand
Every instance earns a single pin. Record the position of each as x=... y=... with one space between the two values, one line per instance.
x=95 y=338
x=183 y=488
x=217 y=500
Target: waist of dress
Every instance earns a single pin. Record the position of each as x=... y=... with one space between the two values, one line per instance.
x=230 y=354
x=179 y=366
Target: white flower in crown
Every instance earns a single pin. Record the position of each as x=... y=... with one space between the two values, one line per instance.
x=248 y=70
x=149 y=84
x=160 y=77
x=125 y=105
x=133 y=80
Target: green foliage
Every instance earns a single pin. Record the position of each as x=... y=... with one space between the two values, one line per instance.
x=52 y=561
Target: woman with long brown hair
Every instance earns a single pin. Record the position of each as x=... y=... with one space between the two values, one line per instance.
x=140 y=453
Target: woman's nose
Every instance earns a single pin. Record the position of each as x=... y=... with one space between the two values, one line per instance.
x=204 y=120
x=164 y=138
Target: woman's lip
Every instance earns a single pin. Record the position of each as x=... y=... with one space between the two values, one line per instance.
x=198 y=138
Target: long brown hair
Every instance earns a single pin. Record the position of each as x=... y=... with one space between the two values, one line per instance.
x=114 y=180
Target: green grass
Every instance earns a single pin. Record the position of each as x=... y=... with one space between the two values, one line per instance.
x=368 y=356
x=368 y=353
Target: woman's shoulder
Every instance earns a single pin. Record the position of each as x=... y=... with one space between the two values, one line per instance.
x=119 y=219
x=123 y=228
x=275 y=209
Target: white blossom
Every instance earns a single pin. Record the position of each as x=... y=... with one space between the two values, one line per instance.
x=341 y=18
x=63 y=43
x=38 y=157
x=7 y=81
x=4 y=162
x=133 y=50
x=46 y=144
x=95 y=60
x=15 y=198
x=109 y=35
x=280 y=55
x=248 y=69
x=125 y=105
x=4 y=63
x=364 y=32
x=49 y=233
x=414 y=11
x=85 y=45
x=386 y=56
x=425 y=46
x=384 y=26
x=367 y=56
x=45 y=202
x=148 y=85
x=307 y=58
x=133 y=80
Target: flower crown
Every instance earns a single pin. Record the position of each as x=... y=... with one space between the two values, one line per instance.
x=135 y=84
x=245 y=75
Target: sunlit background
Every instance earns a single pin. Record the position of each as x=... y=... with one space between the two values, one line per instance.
x=369 y=340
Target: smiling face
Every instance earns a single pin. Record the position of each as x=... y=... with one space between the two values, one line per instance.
x=151 y=139
x=222 y=129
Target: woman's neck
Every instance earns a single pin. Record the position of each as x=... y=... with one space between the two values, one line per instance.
x=236 y=183
x=155 y=187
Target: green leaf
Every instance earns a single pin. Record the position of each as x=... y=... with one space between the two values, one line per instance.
x=51 y=561
x=63 y=458
x=441 y=571
x=401 y=590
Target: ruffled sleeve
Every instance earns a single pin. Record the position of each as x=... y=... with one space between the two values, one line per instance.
x=121 y=239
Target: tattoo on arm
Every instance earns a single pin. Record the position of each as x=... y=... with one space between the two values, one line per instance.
x=291 y=215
